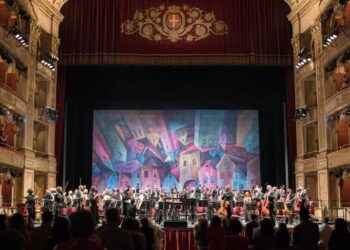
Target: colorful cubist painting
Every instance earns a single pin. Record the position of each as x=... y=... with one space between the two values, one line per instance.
x=150 y=149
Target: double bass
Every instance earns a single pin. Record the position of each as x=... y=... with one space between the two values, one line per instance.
x=222 y=212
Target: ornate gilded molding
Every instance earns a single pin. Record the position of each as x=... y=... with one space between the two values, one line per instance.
x=174 y=23
x=55 y=44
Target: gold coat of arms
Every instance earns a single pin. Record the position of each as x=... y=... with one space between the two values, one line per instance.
x=174 y=23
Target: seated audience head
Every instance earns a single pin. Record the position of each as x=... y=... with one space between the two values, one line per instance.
x=12 y=240
x=266 y=227
x=215 y=221
x=3 y=222
x=341 y=226
x=17 y=222
x=113 y=216
x=235 y=227
x=254 y=217
x=202 y=224
x=82 y=224
x=47 y=217
x=128 y=224
x=145 y=222
x=282 y=226
x=60 y=227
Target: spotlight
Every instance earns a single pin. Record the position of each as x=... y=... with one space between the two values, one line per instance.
x=4 y=111
x=50 y=113
x=302 y=112
x=304 y=57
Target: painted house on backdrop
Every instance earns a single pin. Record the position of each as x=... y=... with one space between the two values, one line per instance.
x=124 y=180
x=167 y=139
x=189 y=163
x=229 y=129
x=118 y=149
x=134 y=124
x=240 y=180
x=243 y=160
x=207 y=175
x=150 y=177
x=253 y=172
x=208 y=127
x=135 y=148
x=136 y=178
x=128 y=167
x=151 y=125
x=185 y=135
x=168 y=182
x=225 y=171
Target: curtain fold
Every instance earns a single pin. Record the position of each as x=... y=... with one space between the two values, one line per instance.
x=258 y=33
x=60 y=103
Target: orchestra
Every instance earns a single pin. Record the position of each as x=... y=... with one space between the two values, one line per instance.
x=225 y=202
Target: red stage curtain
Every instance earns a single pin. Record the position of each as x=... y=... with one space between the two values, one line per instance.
x=258 y=33
x=60 y=103
x=178 y=239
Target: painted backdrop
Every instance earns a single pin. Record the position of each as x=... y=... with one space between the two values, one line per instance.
x=162 y=148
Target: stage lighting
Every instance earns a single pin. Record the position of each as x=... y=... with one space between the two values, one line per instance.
x=302 y=112
x=50 y=113
x=304 y=57
x=328 y=41
x=48 y=60
x=22 y=41
x=334 y=117
x=4 y=111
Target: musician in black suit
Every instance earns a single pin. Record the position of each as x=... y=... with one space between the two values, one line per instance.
x=30 y=204
x=228 y=196
x=58 y=201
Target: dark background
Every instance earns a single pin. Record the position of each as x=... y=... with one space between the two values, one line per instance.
x=224 y=87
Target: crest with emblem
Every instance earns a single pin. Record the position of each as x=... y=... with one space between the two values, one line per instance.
x=174 y=23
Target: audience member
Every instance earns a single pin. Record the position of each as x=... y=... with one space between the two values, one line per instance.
x=3 y=222
x=148 y=232
x=325 y=234
x=139 y=239
x=340 y=238
x=112 y=237
x=306 y=234
x=234 y=240
x=39 y=234
x=12 y=240
x=201 y=234
x=82 y=228
x=282 y=236
x=17 y=223
x=159 y=235
x=249 y=228
x=216 y=234
x=265 y=239
x=59 y=233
